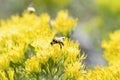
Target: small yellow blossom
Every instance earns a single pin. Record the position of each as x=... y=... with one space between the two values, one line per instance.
x=63 y=23
x=33 y=64
x=11 y=74
x=74 y=70
x=3 y=76
x=4 y=62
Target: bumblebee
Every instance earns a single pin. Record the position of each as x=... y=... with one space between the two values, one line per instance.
x=31 y=9
x=59 y=40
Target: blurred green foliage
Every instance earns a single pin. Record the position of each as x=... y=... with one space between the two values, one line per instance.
x=50 y=5
x=110 y=15
x=107 y=20
x=10 y=7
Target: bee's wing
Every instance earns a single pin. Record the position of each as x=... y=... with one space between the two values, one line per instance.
x=61 y=38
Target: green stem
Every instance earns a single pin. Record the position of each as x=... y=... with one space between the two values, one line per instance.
x=37 y=75
x=7 y=74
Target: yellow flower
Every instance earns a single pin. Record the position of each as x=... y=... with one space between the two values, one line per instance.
x=102 y=73
x=71 y=51
x=56 y=53
x=33 y=64
x=112 y=47
x=4 y=62
x=3 y=76
x=16 y=55
x=11 y=74
x=44 y=18
x=63 y=23
x=74 y=70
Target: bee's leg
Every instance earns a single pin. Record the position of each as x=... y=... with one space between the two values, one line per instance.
x=60 y=45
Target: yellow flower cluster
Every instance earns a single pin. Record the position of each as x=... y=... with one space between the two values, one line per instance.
x=26 y=52
x=112 y=48
x=104 y=73
x=112 y=54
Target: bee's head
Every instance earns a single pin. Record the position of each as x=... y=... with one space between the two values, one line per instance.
x=51 y=43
